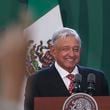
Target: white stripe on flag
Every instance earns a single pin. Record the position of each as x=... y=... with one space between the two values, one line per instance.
x=43 y=28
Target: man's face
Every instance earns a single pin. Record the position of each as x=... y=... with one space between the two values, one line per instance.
x=66 y=52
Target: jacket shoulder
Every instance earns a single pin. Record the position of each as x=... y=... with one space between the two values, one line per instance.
x=89 y=70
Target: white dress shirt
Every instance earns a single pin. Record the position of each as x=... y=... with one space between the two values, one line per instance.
x=63 y=73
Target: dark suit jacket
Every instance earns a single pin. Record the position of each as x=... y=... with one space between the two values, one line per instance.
x=48 y=83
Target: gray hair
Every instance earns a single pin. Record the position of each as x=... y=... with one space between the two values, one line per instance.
x=65 y=32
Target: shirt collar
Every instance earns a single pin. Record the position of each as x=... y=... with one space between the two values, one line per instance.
x=63 y=73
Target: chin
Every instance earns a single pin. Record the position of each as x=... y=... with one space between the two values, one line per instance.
x=70 y=67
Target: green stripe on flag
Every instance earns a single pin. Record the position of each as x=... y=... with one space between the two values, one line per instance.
x=41 y=7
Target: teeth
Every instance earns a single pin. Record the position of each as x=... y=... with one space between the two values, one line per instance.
x=70 y=60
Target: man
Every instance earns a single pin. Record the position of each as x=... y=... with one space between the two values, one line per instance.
x=53 y=81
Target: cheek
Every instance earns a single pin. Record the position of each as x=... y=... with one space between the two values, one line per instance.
x=77 y=57
x=59 y=56
x=77 y=54
x=62 y=54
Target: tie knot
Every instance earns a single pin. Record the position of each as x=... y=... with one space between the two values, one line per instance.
x=70 y=77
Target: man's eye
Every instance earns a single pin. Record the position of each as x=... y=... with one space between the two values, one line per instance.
x=65 y=49
x=68 y=49
x=75 y=49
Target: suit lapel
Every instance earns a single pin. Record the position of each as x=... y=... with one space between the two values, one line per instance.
x=57 y=81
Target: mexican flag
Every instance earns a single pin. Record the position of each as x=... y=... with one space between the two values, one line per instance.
x=46 y=20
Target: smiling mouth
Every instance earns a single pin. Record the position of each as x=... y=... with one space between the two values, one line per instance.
x=70 y=60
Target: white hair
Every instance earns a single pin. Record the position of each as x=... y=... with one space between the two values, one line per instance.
x=65 y=32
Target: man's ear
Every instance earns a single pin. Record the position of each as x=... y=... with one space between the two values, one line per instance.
x=52 y=51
